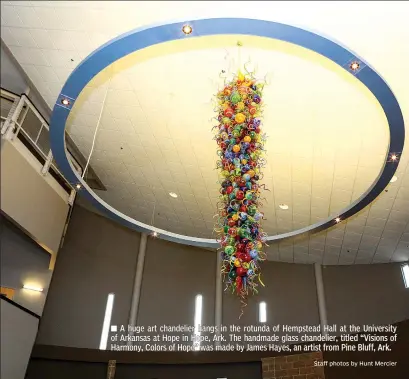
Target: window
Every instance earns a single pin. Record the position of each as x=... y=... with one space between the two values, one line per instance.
x=198 y=321
x=107 y=322
x=405 y=274
x=262 y=312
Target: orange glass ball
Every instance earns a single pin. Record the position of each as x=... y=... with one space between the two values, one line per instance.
x=236 y=148
x=247 y=139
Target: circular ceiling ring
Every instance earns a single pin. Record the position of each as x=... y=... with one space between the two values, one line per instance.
x=144 y=37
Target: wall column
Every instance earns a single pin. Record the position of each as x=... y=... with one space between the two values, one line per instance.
x=218 y=306
x=136 y=292
x=322 y=308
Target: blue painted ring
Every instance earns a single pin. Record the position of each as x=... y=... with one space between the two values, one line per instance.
x=144 y=37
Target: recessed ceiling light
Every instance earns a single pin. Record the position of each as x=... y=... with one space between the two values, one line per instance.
x=155 y=234
x=337 y=220
x=394 y=179
x=394 y=157
x=65 y=102
x=284 y=206
x=354 y=66
x=172 y=194
x=187 y=29
x=78 y=186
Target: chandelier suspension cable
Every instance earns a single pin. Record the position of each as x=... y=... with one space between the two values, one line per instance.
x=96 y=129
x=153 y=213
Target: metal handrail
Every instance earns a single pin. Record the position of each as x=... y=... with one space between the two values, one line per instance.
x=18 y=127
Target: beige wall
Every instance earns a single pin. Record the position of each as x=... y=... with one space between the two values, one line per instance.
x=37 y=203
x=366 y=294
x=18 y=331
x=98 y=257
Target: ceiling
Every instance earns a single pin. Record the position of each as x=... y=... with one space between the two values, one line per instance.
x=327 y=136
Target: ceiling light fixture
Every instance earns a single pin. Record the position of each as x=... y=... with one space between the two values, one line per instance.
x=65 y=102
x=172 y=194
x=32 y=288
x=394 y=179
x=283 y=206
x=354 y=66
x=155 y=234
x=394 y=157
x=187 y=29
x=78 y=186
x=337 y=220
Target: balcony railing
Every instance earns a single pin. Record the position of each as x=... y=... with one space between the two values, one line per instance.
x=20 y=119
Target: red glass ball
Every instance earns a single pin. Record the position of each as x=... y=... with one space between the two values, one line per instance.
x=231 y=223
x=240 y=195
x=228 y=112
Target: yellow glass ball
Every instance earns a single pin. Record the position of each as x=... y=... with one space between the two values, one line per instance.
x=237 y=263
x=245 y=265
x=244 y=161
x=247 y=139
x=240 y=118
x=235 y=217
x=236 y=148
x=251 y=173
x=240 y=105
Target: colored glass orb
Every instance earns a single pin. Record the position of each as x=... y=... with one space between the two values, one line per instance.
x=231 y=222
x=251 y=172
x=240 y=195
x=251 y=210
x=229 y=250
x=253 y=254
x=228 y=112
x=236 y=148
x=240 y=106
x=240 y=117
x=257 y=99
x=235 y=97
x=249 y=195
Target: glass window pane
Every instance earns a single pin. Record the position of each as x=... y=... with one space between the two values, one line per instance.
x=5 y=105
x=31 y=125
x=44 y=141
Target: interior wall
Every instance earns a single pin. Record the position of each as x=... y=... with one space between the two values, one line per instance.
x=365 y=294
x=23 y=262
x=98 y=257
x=290 y=296
x=35 y=202
x=173 y=276
x=18 y=331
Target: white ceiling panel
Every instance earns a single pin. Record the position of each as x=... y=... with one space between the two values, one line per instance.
x=326 y=135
